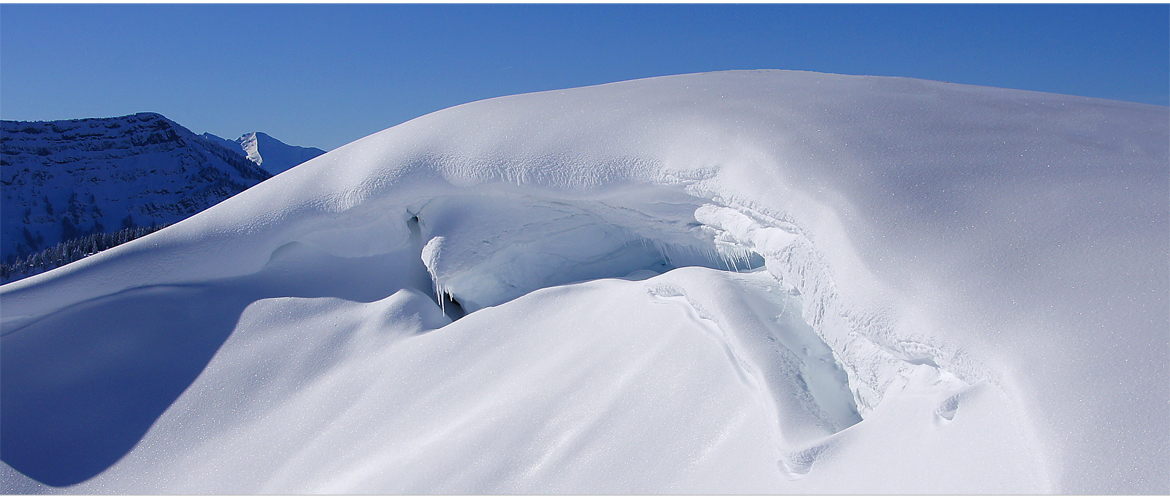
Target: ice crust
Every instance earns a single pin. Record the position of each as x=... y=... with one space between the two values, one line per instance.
x=735 y=282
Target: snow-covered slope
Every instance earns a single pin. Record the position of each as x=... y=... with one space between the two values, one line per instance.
x=266 y=152
x=737 y=282
x=63 y=179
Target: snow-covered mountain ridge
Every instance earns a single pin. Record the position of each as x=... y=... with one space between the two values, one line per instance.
x=266 y=152
x=736 y=282
x=69 y=178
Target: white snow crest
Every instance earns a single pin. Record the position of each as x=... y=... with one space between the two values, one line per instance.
x=740 y=282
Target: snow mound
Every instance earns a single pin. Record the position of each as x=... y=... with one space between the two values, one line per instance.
x=736 y=282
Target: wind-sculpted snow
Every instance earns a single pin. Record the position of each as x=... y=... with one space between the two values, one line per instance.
x=739 y=282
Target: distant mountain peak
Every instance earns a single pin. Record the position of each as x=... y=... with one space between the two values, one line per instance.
x=267 y=152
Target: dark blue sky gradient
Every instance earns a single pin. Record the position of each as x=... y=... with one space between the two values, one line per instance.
x=324 y=75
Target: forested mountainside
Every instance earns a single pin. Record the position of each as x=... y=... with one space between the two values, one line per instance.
x=64 y=180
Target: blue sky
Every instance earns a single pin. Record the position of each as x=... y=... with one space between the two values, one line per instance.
x=325 y=75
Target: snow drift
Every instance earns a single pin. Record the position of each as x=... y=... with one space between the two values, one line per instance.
x=736 y=282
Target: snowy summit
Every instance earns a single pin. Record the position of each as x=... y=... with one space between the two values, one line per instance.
x=266 y=152
x=738 y=282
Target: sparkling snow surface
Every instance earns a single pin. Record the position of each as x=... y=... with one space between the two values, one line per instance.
x=735 y=282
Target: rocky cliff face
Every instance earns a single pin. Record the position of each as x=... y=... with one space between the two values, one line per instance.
x=67 y=179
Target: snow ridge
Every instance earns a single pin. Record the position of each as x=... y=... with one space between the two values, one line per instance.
x=736 y=282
